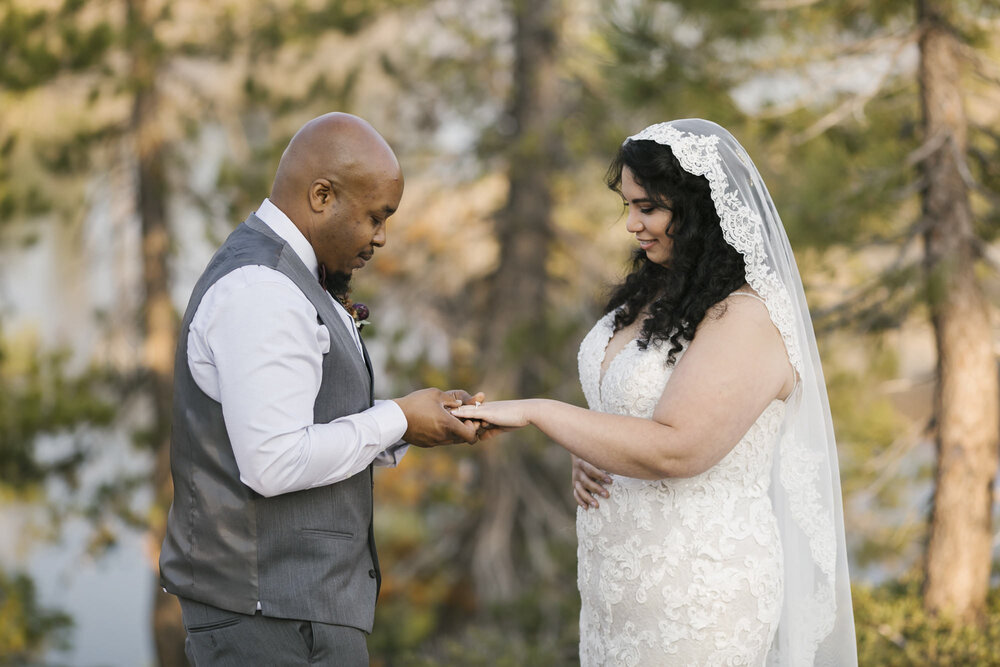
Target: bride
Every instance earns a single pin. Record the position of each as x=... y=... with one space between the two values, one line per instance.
x=720 y=537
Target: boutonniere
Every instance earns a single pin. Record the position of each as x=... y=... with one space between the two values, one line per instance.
x=338 y=290
x=358 y=311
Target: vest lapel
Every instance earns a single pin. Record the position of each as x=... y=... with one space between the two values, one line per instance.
x=368 y=365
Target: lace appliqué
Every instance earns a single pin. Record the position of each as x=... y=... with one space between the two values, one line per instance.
x=800 y=469
x=676 y=571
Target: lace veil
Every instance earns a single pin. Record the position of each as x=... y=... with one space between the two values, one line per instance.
x=817 y=621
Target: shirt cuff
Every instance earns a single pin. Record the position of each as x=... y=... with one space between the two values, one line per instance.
x=391 y=422
x=392 y=425
x=391 y=457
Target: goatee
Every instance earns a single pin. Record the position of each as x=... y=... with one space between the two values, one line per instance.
x=338 y=284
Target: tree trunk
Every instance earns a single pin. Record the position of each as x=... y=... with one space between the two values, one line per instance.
x=160 y=340
x=159 y=320
x=517 y=291
x=959 y=551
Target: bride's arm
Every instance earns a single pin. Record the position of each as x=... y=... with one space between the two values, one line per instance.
x=735 y=366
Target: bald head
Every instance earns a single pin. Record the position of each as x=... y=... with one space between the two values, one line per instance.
x=339 y=147
x=338 y=182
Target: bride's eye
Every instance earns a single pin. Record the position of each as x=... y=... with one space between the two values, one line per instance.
x=647 y=210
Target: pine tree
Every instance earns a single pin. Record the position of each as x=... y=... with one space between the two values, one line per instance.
x=518 y=78
x=967 y=400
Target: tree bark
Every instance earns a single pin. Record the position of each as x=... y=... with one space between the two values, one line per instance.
x=967 y=401
x=159 y=320
x=517 y=290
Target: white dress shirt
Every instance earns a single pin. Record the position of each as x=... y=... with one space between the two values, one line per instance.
x=256 y=346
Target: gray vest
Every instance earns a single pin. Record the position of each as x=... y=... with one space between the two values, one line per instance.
x=307 y=555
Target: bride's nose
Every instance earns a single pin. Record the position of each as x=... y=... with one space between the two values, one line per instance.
x=632 y=223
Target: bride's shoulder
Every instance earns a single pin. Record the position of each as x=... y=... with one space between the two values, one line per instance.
x=742 y=309
x=739 y=331
x=744 y=294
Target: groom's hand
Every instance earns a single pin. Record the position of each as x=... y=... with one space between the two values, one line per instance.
x=430 y=422
x=468 y=399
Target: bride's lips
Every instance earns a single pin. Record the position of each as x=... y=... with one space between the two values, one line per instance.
x=646 y=245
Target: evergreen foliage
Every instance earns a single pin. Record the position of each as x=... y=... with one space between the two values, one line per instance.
x=27 y=630
x=841 y=159
x=894 y=630
x=38 y=396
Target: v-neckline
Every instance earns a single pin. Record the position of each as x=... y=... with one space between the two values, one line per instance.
x=602 y=372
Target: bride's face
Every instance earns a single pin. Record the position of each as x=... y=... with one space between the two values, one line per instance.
x=647 y=220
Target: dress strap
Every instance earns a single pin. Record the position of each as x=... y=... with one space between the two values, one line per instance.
x=749 y=294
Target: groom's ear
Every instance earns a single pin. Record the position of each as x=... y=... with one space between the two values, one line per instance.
x=321 y=195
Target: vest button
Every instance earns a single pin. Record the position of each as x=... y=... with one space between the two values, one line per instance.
x=371 y=573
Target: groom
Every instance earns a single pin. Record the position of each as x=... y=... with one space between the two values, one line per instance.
x=269 y=542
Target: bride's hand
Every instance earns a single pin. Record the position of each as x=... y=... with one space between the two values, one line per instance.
x=588 y=481
x=506 y=414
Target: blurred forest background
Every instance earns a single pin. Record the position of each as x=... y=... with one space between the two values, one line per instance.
x=135 y=134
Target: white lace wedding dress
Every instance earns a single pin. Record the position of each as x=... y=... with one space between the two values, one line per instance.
x=676 y=571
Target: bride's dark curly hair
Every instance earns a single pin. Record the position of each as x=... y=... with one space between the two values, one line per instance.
x=703 y=268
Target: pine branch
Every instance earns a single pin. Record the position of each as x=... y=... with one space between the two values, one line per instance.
x=876 y=315
x=824 y=51
x=985 y=69
x=872 y=302
x=888 y=462
x=962 y=165
x=855 y=104
x=986 y=253
x=784 y=5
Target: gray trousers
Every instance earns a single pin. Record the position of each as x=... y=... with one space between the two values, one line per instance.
x=217 y=637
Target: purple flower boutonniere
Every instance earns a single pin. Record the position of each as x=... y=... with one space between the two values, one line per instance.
x=359 y=312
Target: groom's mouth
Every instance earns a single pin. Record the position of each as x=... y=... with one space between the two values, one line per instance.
x=366 y=256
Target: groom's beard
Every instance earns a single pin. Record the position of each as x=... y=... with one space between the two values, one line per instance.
x=338 y=284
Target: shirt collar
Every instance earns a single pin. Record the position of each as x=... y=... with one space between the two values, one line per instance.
x=282 y=225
